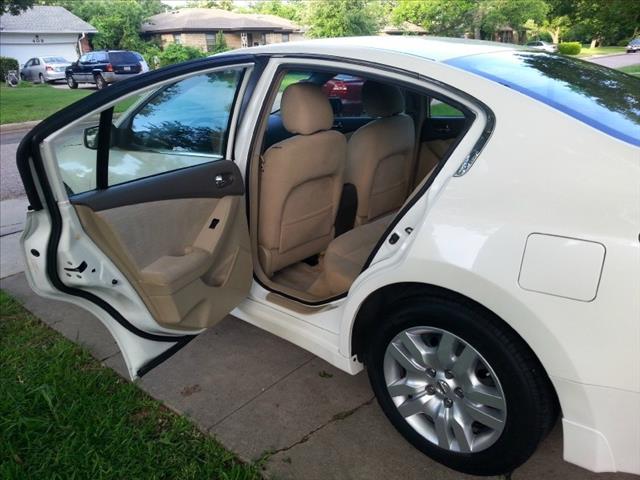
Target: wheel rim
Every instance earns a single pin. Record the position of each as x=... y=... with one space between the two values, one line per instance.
x=70 y=81
x=445 y=390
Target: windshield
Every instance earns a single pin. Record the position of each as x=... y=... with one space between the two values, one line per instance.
x=603 y=98
x=55 y=60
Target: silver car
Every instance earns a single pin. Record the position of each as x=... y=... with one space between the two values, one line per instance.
x=44 y=69
x=540 y=45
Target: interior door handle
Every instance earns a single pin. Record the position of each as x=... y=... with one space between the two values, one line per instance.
x=445 y=129
x=223 y=180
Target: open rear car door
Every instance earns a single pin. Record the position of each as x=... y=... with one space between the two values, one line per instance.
x=137 y=210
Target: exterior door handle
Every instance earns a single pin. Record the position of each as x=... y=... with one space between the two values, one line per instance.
x=223 y=180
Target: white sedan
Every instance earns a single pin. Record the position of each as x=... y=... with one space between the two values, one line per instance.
x=468 y=233
x=540 y=45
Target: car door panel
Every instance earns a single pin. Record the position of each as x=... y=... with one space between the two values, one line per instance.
x=157 y=256
x=179 y=243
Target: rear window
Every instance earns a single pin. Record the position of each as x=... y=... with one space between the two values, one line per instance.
x=122 y=57
x=606 y=99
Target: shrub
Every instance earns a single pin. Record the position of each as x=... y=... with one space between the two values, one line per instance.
x=220 y=45
x=6 y=64
x=570 y=48
x=176 y=53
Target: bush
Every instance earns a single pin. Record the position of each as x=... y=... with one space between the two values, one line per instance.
x=176 y=53
x=6 y=64
x=220 y=45
x=570 y=48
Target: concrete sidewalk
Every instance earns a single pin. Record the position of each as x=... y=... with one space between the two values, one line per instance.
x=265 y=398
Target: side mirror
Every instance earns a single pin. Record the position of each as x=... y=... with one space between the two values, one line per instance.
x=91 y=137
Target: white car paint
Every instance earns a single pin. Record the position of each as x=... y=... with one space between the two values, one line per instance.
x=470 y=236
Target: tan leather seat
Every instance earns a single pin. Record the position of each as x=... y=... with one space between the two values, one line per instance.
x=347 y=254
x=431 y=153
x=301 y=181
x=380 y=154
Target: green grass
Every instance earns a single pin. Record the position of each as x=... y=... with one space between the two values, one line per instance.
x=444 y=110
x=632 y=69
x=589 y=52
x=34 y=102
x=64 y=416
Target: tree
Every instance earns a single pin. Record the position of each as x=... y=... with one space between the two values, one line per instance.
x=15 y=7
x=176 y=53
x=118 y=22
x=221 y=4
x=437 y=17
x=342 y=18
x=221 y=44
x=513 y=13
x=292 y=10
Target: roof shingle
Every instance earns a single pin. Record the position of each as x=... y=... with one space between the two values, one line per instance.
x=45 y=19
x=214 y=19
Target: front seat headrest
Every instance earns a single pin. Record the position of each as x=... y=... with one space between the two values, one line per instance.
x=381 y=100
x=305 y=109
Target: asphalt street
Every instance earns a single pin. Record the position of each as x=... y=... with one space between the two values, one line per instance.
x=617 y=61
x=10 y=184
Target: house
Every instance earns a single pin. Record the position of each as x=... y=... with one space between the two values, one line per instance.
x=197 y=27
x=44 y=31
x=404 y=28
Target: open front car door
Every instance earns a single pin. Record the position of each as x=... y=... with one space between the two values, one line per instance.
x=137 y=210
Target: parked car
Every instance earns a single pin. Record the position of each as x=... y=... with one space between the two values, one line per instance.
x=143 y=63
x=103 y=68
x=44 y=69
x=483 y=266
x=540 y=45
x=634 y=46
x=348 y=89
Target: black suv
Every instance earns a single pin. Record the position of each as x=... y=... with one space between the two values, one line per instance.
x=103 y=67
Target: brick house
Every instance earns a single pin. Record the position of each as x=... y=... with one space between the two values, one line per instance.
x=197 y=27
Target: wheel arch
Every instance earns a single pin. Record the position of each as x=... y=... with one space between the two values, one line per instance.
x=385 y=298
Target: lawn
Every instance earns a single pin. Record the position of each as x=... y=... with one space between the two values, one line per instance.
x=34 y=102
x=63 y=415
x=590 y=52
x=632 y=69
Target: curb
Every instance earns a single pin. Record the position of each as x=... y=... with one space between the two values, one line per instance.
x=16 y=127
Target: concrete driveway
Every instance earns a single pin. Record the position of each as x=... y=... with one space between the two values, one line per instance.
x=262 y=397
x=617 y=61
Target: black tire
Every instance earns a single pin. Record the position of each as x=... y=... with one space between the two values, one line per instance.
x=100 y=81
x=530 y=399
x=71 y=82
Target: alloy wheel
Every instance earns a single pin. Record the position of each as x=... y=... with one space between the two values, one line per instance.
x=445 y=390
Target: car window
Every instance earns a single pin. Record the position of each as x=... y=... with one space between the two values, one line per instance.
x=29 y=62
x=440 y=109
x=122 y=57
x=84 y=58
x=54 y=60
x=345 y=93
x=156 y=131
x=174 y=128
x=100 y=57
x=603 y=98
x=36 y=61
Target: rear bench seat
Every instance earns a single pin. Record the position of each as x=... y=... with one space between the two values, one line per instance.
x=345 y=256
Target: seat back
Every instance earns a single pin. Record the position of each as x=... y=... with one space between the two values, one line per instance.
x=380 y=154
x=300 y=181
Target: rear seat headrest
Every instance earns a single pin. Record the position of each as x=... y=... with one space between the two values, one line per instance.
x=381 y=100
x=305 y=109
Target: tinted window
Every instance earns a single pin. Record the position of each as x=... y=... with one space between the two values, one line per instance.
x=54 y=60
x=188 y=116
x=122 y=57
x=601 y=97
x=100 y=57
x=439 y=109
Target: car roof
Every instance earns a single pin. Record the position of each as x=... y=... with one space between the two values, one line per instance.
x=438 y=49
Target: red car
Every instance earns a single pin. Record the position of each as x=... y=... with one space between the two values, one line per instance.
x=349 y=90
